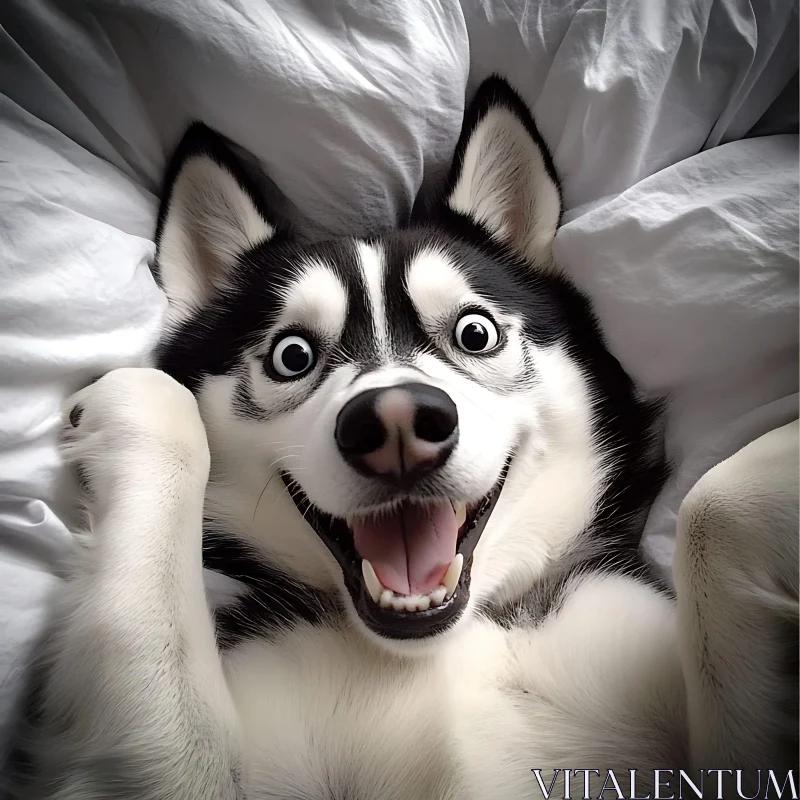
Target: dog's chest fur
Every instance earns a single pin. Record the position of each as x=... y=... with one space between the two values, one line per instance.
x=325 y=715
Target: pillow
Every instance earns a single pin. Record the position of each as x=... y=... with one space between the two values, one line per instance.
x=622 y=90
x=76 y=299
x=694 y=273
x=346 y=109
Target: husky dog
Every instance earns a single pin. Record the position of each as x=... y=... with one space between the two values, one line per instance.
x=420 y=480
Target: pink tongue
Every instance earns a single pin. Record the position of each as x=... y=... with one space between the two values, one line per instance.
x=411 y=548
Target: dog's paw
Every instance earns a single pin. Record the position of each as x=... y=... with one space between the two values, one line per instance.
x=130 y=425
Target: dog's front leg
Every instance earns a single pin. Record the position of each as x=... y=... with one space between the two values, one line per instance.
x=136 y=704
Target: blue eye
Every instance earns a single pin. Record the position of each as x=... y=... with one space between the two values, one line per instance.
x=292 y=356
x=476 y=334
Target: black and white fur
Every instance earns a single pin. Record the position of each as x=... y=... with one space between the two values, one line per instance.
x=558 y=649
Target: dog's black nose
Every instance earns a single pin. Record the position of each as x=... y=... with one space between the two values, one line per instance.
x=398 y=432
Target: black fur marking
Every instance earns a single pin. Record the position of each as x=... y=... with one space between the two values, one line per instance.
x=406 y=327
x=18 y=767
x=357 y=342
x=244 y=405
x=546 y=596
x=273 y=601
x=75 y=415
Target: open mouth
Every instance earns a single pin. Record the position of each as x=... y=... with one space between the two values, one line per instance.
x=406 y=565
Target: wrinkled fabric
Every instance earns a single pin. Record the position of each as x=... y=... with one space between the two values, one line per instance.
x=684 y=236
x=622 y=90
x=694 y=273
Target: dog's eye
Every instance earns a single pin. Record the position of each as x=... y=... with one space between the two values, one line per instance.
x=292 y=356
x=476 y=333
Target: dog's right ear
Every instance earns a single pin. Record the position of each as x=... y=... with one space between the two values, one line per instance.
x=210 y=215
x=503 y=177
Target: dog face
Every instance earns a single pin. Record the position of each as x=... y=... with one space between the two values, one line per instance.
x=400 y=419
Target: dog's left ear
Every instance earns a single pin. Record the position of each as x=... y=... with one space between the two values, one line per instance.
x=503 y=176
x=211 y=215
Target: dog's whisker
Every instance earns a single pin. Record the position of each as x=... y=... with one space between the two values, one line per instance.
x=255 y=512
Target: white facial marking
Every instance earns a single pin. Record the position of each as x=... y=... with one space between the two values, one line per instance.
x=316 y=300
x=372 y=263
x=436 y=286
x=385 y=377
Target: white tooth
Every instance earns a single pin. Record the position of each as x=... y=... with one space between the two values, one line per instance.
x=410 y=603
x=386 y=598
x=452 y=575
x=399 y=603
x=437 y=596
x=374 y=586
x=461 y=512
x=414 y=602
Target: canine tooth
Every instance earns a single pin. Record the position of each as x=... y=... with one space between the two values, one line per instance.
x=437 y=596
x=386 y=598
x=452 y=575
x=374 y=586
x=461 y=512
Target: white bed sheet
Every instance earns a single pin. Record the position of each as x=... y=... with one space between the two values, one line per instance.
x=691 y=257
